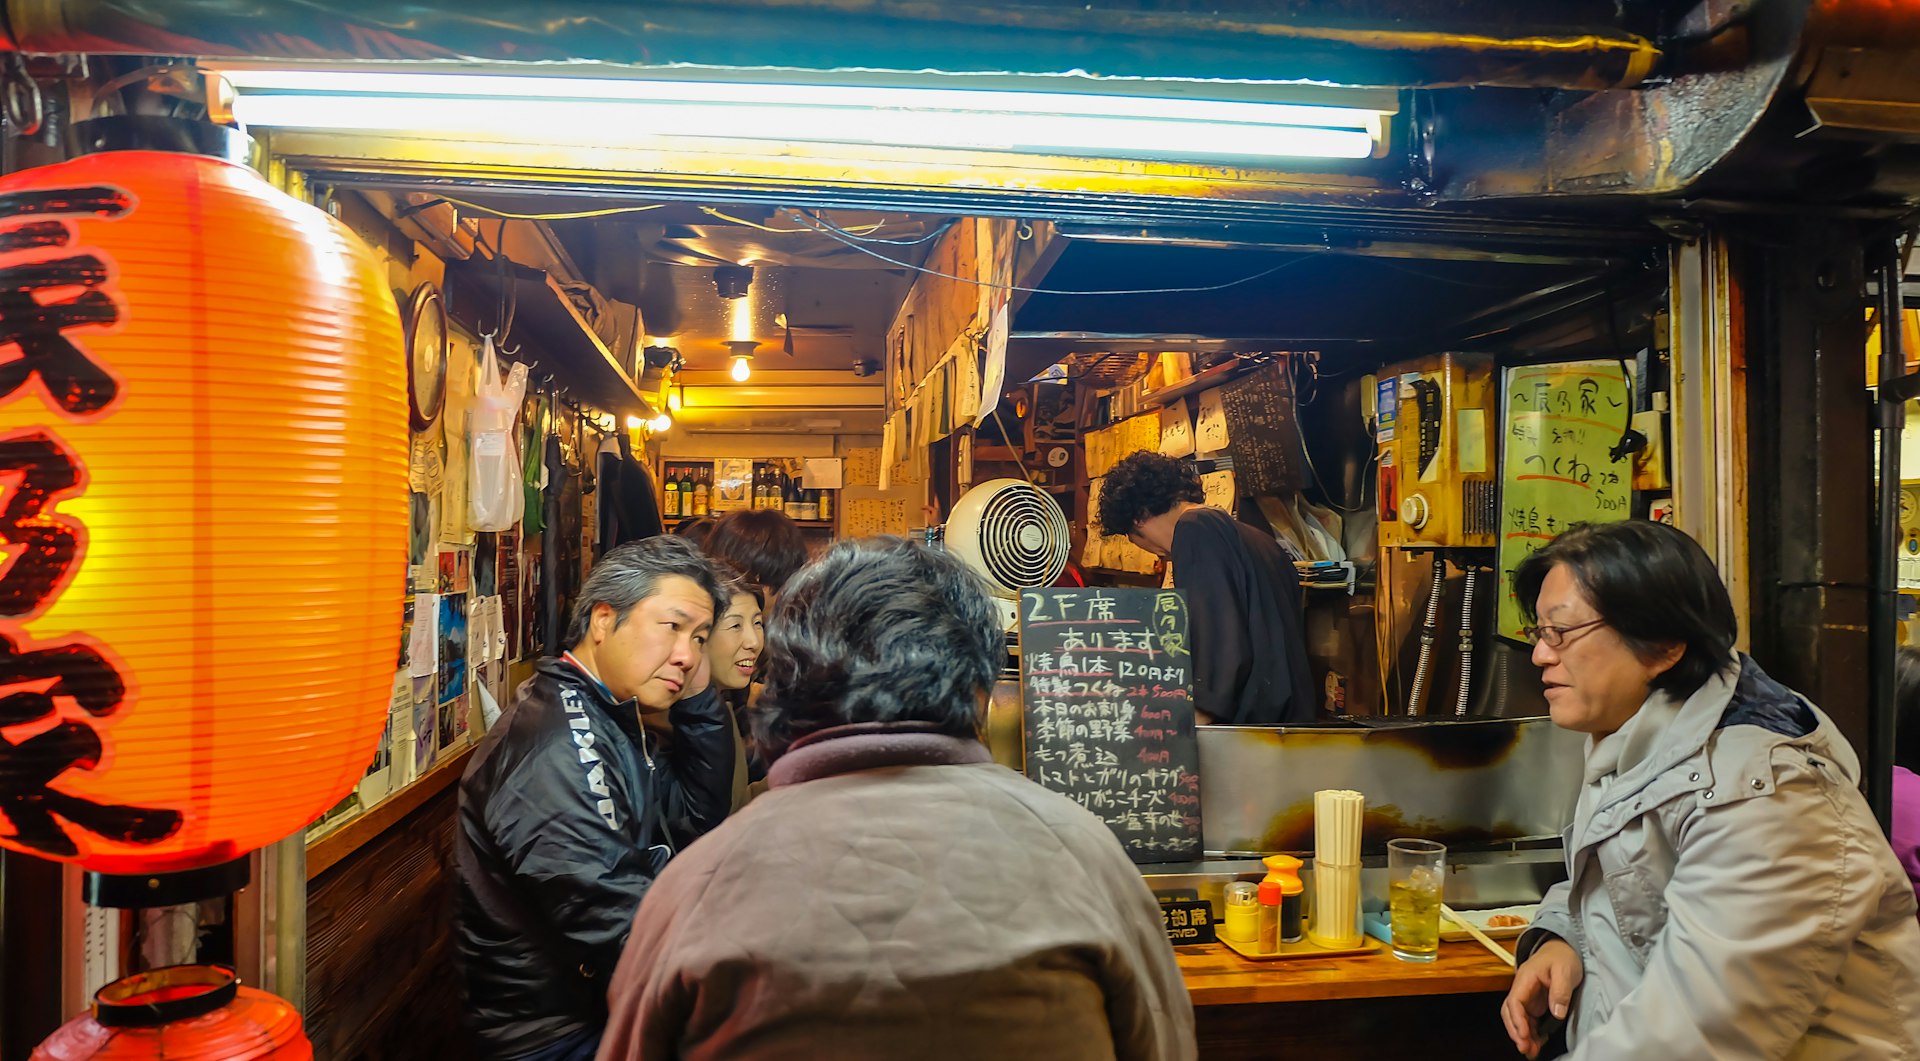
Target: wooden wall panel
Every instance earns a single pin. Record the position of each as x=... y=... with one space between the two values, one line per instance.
x=381 y=980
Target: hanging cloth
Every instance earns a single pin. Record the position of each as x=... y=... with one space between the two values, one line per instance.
x=533 y=466
x=493 y=503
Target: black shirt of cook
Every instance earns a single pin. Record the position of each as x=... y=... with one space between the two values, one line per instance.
x=1243 y=607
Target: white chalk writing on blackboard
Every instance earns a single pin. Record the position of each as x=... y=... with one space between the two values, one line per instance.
x=1109 y=712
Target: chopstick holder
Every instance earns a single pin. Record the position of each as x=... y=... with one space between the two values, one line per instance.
x=1335 y=920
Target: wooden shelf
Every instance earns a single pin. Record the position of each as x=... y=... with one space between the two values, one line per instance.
x=817 y=524
x=546 y=320
x=327 y=850
x=1212 y=377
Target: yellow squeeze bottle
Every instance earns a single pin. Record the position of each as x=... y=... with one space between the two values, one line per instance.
x=1284 y=872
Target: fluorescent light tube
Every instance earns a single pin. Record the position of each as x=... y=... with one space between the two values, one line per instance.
x=598 y=112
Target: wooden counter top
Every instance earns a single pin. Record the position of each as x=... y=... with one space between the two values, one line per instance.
x=1216 y=976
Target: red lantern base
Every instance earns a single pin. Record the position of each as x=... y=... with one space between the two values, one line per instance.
x=183 y=1013
x=136 y=891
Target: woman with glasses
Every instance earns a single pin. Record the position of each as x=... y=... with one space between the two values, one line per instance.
x=1730 y=894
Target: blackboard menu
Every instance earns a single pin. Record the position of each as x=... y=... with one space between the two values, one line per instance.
x=1109 y=712
x=1262 y=436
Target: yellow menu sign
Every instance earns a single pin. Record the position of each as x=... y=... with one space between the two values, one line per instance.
x=1557 y=467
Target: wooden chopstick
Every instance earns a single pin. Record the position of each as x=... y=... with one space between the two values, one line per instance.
x=1486 y=941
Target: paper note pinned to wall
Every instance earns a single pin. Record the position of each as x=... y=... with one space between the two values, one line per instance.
x=1100 y=449
x=889 y=445
x=996 y=360
x=424 y=639
x=1141 y=434
x=869 y=516
x=863 y=467
x=1210 y=425
x=822 y=473
x=1176 y=430
x=1218 y=486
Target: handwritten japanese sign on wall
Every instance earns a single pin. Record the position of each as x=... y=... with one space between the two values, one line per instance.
x=1557 y=469
x=1109 y=712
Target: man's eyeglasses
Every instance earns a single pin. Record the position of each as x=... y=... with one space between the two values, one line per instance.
x=1555 y=636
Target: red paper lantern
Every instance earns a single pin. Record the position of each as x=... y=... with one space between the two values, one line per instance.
x=183 y=1013
x=203 y=508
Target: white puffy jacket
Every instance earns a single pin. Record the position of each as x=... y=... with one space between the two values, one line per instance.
x=1731 y=895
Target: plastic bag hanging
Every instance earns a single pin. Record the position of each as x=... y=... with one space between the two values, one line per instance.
x=494 y=498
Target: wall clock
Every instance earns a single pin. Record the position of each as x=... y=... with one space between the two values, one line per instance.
x=426 y=355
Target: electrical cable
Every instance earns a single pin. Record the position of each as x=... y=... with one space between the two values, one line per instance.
x=568 y=216
x=509 y=294
x=713 y=212
x=823 y=222
x=898 y=264
x=1409 y=270
x=1008 y=439
x=1337 y=502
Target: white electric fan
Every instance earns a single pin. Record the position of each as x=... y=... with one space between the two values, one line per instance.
x=1013 y=534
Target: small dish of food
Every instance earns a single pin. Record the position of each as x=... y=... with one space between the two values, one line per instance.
x=1503 y=922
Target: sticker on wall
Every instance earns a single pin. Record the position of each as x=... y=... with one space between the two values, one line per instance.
x=1386 y=406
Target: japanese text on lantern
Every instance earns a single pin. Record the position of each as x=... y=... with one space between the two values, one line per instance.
x=49 y=285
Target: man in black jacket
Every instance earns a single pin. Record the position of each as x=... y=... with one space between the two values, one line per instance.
x=569 y=808
x=1243 y=594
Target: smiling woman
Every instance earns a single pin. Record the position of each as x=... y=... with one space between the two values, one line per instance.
x=738 y=635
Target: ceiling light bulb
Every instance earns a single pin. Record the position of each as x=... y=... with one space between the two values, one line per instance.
x=741 y=370
x=633 y=423
x=660 y=423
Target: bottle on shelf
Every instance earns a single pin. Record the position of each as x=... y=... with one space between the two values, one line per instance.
x=766 y=498
x=826 y=504
x=791 y=501
x=702 y=494
x=810 y=505
x=670 y=495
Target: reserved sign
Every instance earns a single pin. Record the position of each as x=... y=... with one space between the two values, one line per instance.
x=1187 y=921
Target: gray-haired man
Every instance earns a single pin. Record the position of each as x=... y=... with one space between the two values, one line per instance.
x=569 y=809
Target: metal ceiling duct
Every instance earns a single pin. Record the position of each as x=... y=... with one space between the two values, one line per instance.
x=1659 y=140
x=1575 y=44
x=1795 y=87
